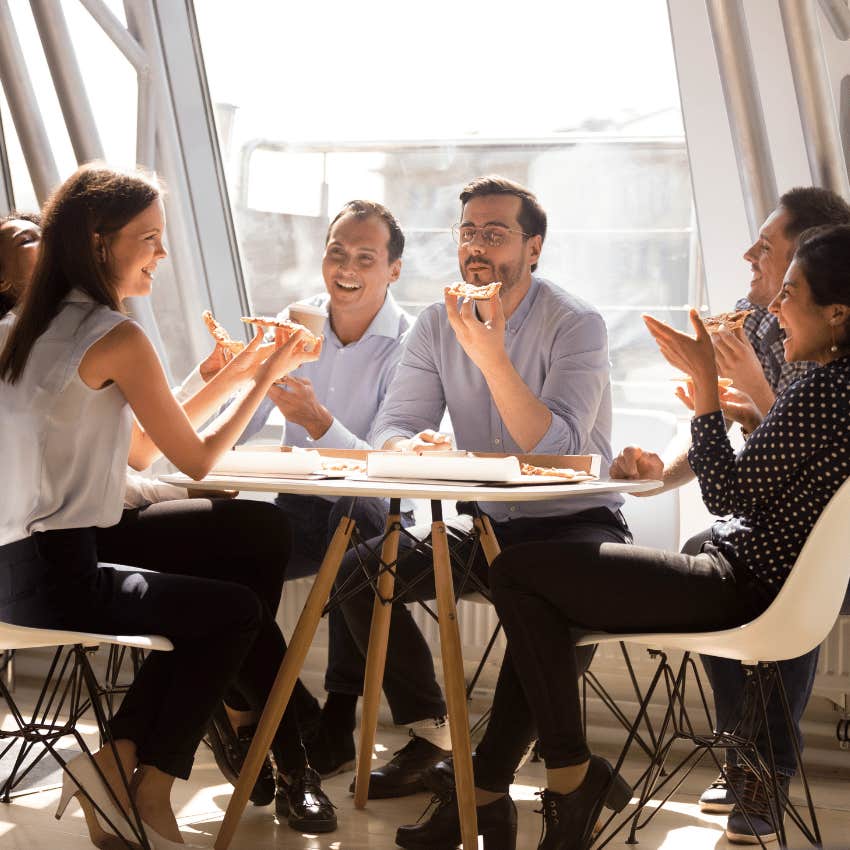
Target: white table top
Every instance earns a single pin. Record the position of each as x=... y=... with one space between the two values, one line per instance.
x=409 y=490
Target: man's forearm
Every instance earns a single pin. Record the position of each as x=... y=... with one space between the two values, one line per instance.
x=763 y=397
x=525 y=416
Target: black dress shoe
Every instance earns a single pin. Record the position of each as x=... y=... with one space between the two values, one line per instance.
x=229 y=750
x=302 y=802
x=402 y=776
x=497 y=823
x=569 y=819
x=440 y=779
x=330 y=751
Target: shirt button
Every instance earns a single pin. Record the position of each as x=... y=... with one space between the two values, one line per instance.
x=332 y=389
x=513 y=508
x=497 y=441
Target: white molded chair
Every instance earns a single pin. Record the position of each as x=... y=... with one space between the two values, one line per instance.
x=70 y=688
x=797 y=621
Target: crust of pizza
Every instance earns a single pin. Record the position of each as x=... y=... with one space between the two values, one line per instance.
x=474 y=293
x=732 y=320
x=287 y=325
x=555 y=472
x=220 y=335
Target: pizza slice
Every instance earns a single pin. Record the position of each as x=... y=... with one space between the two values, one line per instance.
x=472 y=292
x=286 y=325
x=220 y=335
x=731 y=321
x=556 y=472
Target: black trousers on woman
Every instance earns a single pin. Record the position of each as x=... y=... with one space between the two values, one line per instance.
x=547 y=592
x=241 y=542
x=52 y=580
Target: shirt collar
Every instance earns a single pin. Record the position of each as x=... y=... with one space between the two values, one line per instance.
x=760 y=320
x=518 y=316
x=79 y=295
x=387 y=320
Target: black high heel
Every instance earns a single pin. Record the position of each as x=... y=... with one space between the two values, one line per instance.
x=569 y=819
x=497 y=823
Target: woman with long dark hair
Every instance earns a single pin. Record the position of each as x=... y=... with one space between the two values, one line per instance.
x=772 y=491
x=243 y=541
x=81 y=391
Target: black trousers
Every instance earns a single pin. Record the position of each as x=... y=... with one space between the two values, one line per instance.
x=410 y=683
x=241 y=542
x=52 y=580
x=584 y=586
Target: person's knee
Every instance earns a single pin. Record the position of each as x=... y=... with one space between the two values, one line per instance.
x=507 y=569
x=240 y=609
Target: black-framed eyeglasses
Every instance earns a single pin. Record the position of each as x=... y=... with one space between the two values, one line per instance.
x=493 y=235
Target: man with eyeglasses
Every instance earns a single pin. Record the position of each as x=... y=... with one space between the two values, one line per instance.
x=529 y=374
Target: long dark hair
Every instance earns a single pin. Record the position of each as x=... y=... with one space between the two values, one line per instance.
x=93 y=200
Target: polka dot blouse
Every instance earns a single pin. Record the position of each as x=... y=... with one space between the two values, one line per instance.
x=776 y=486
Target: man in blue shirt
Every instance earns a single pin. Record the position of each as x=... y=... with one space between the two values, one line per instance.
x=754 y=358
x=333 y=404
x=527 y=372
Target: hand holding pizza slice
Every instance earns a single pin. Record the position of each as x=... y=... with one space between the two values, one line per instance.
x=284 y=329
x=220 y=335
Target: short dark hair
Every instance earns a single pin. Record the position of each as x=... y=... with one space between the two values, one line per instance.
x=531 y=218
x=367 y=209
x=7 y=302
x=812 y=206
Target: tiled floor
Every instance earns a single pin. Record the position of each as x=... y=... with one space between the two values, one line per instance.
x=28 y=823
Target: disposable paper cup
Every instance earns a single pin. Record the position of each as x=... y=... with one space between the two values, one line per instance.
x=313 y=318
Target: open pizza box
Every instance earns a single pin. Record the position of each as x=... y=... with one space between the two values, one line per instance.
x=458 y=467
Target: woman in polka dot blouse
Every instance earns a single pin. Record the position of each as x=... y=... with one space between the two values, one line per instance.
x=771 y=493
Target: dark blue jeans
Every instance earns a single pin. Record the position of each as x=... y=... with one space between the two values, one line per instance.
x=727 y=679
x=314 y=521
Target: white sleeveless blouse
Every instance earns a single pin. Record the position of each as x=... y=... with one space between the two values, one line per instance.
x=63 y=445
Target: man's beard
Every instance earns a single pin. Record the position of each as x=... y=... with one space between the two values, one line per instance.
x=508 y=274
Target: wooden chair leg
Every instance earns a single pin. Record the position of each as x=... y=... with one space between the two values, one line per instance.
x=376 y=658
x=288 y=673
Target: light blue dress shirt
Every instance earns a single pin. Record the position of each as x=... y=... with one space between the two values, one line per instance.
x=350 y=380
x=559 y=346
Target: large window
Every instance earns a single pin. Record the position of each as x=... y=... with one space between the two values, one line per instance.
x=321 y=103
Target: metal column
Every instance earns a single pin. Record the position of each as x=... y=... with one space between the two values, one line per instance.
x=743 y=104
x=7 y=190
x=67 y=79
x=837 y=12
x=24 y=108
x=814 y=95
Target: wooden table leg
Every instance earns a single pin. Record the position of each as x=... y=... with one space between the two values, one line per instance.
x=376 y=658
x=454 y=684
x=489 y=543
x=289 y=671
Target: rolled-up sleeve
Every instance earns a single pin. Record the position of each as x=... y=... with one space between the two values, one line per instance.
x=339 y=437
x=415 y=400
x=575 y=385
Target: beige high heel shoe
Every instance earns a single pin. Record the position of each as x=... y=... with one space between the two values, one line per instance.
x=86 y=775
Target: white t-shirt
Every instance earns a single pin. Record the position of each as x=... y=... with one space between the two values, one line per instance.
x=64 y=446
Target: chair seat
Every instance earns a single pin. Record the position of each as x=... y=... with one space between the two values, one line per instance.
x=747 y=643
x=25 y=637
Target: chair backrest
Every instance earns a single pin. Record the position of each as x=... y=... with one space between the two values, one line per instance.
x=654 y=520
